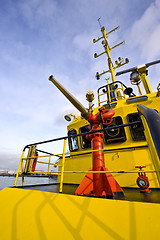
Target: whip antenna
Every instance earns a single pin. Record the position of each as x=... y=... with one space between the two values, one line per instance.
x=99 y=22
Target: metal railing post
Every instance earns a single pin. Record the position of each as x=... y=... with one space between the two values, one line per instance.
x=49 y=163
x=62 y=168
x=20 y=165
x=22 y=174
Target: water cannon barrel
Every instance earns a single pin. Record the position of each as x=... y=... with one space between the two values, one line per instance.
x=71 y=98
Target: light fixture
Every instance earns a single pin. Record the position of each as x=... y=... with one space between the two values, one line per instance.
x=134 y=75
x=68 y=117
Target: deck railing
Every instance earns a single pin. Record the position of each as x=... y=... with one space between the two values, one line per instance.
x=110 y=93
x=27 y=168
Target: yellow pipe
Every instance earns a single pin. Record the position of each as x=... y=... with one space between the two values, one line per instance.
x=44 y=172
x=54 y=164
x=146 y=84
x=123 y=92
x=20 y=164
x=22 y=174
x=106 y=46
x=120 y=171
x=139 y=88
x=62 y=169
x=150 y=171
x=49 y=163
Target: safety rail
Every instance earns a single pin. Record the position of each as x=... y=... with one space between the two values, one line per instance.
x=24 y=171
x=110 y=93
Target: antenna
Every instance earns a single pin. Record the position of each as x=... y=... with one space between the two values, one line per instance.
x=99 y=22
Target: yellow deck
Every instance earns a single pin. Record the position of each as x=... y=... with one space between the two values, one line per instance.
x=28 y=214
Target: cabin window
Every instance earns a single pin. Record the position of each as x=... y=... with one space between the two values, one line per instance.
x=84 y=142
x=73 y=141
x=114 y=135
x=137 y=131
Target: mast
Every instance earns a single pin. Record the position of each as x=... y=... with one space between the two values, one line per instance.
x=105 y=44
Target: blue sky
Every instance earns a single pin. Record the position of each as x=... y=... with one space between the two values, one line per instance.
x=43 y=37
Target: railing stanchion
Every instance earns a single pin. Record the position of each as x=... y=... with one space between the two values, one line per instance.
x=22 y=174
x=62 y=168
x=49 y=163
x=20 y=166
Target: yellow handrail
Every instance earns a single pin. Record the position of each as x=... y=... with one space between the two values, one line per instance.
x=20 y=166
x=62 y=168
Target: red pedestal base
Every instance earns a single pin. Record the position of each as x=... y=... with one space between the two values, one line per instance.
x=110 y=188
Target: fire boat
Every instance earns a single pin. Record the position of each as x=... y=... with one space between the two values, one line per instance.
x=108 y=183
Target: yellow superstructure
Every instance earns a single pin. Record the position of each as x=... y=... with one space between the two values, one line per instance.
x=121 y=156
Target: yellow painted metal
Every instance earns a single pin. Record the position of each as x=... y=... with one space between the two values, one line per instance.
x=44 y=172
x=69 y=96
x=55 y=172
x=146 y=83
x=158 y=90
x=106 y=46
x=108 y=95
x=35 y=215
x=49 y=163
x=139 y=89
x=30 y=158
x=19 y=167
x=62 y=168
x=118 y=156
x=47 y=155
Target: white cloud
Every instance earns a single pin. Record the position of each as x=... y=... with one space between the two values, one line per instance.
x=145 y=32
x=38 y=12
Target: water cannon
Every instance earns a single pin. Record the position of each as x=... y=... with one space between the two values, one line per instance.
x=97 y=184
x=71 y=98
x=100 y=117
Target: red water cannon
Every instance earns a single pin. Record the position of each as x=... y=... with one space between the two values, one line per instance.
x=104 y=116
x=142 y=180
x=100 y=183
